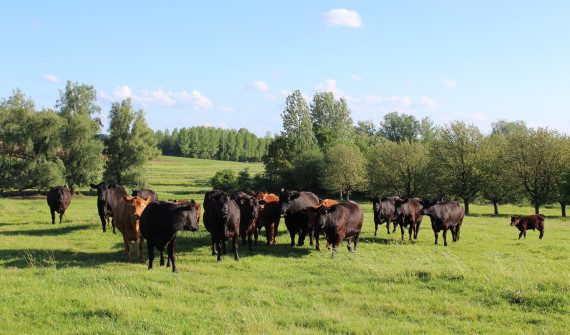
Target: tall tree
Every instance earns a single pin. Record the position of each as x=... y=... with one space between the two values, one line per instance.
x=345 y=170
x=131 y=145
x=454 y=151
x=297 y=125
x=332 y=123
x=81 y=151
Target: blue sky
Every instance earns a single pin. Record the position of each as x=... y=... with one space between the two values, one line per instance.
x=231 y=63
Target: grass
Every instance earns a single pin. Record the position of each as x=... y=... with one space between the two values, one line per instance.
x=72 y=278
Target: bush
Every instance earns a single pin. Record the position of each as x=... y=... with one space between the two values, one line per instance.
x=224 y=180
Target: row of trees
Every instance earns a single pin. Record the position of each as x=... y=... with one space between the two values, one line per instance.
x=50 y=147
x=321 y=150
x=213 y=143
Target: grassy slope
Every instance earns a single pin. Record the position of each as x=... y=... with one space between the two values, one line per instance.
x=71 y=278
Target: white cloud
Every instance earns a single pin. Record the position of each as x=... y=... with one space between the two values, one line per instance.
x=260 y=85
x=160 y=96
x=428 y=103
x=476 y=116
x=342 y=17
x=284 y=93
x=270 y=97
x=449 y=83
x=329 y=85
x=390 y=101
x=52 y=78
x=123 y=92
x=356 y=77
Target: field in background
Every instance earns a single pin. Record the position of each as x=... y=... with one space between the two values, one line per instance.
x=72 y=278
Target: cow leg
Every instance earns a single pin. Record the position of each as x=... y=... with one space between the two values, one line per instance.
x=219 y=250
x=388 y=227
x=127 y=248
x=275 y=230
x=161 y=256
x=402 y=230
x=224 y=247
x=236 y=256
x=317 y=247
x=348 y=244
x=171 y=254
x=167 y=259
x=250 y=241
x=356 y=238
x=410 y=230
x=376 y=229
x=445 y=237
x=436 y=234
x=524 y=233
x=269 y=234
x=541 y=233
x=213 y=246
x=520 y=234
x=311 y=233
x=416 y=231
x=292 y=234
x=61 y=216
x=113 y=224
x=150 y=251
x=394 y=228
x=52 y=216
x=103 y=222
x=334 y=250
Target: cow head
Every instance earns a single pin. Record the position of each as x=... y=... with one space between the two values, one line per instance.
x=137 y=205
x=399 y=206
x=101 y=188
x=251 y=206
x=515 y=220
x=286 y=200
x=190 y=211
x=322 y=214
x=261 y=195
x=426 y=205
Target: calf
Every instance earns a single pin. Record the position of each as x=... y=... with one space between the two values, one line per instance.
x=58 y=200
x=296 y=220
x=145 y=192
x=408 y=213
x=524 y=222
x=222 y=220
x=384 y=212
x=108 y=195
x=127 y=219
x=249 y=214
x=160 y=223
x=337 y=222
x=444 y=215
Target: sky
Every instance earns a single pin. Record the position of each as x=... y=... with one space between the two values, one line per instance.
x=231 y=64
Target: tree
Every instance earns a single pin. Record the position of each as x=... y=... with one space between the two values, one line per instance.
x=81 y=151
x=308 y=170
x=244 y=181
x=454 y=151
x=345 y=170
x=403 y=127
x=537 y=158
x=297 y=125
x=331 y=120
x=398 y=169
x=224 y=180
x=278 y=161
x=131 y=145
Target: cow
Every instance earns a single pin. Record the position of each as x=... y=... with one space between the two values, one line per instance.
x=186 y=201
x=408 y=213
x=444 y=215
x=160 y=223
x=269 y=215
x=337 y=222
x=58 y=199
x=384 y=212
x=108 y=195
x=145 y=192
x=296 y=220
x=525 y=222
x=249 y=214
x=313 y=216
x=222 y=220
x=127 y=220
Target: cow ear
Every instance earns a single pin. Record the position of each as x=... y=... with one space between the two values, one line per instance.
x=295 y=196
x=93 y=186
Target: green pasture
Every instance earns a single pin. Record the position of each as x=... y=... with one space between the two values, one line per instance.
x=72 y=278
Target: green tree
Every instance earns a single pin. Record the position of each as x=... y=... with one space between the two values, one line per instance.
x=131 y=145
x=244 y=181
x=400 y=127
x=307 y=171
x=331 y=119
x=224 y=180
x=297 y=125
x=345 y=170
x=81 y=151
x=365 y=135
x=278 y=163
x=454 y=151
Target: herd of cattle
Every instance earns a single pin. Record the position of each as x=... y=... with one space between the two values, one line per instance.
x=227 y=217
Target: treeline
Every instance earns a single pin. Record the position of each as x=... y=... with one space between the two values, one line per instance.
x=213 y=143
x=43 y=148
x=320 y=149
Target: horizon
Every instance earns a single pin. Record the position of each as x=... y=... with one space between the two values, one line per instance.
x=200 y=65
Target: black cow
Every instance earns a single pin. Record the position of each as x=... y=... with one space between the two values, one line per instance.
x=58 y=200
x=525 y=222
x=293 y=204
x=337 y=222
x=159 y=224
x=108 y=195
x=145 y=192
x=249 y=213
x=409 y=213
x=444 y=215
x=222 y=220
x=384 y=212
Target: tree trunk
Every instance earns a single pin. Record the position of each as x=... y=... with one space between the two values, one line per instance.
x=347 y=195
x=536 y=208
x=466 y=204
x=563 y=208
x=496 y=207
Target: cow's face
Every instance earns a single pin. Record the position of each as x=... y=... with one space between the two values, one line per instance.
x=426 y=205
x=137 y=205
x=322 y=215
x=399 y=206
x=261 y=195
x=101 y=189
x=251 y=206
x=515 y=220
x=192 y=216
x=286 y=200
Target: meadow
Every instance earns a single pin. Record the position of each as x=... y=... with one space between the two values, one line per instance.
x=72 y=278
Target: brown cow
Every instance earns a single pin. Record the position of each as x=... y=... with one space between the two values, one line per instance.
x=269 y=215
x=408 y=213
x=384 y=211
x=313 y=216
x=524 y=222
x=58 y=200
x=340 y=221
x=444 y=215
x=126 y=217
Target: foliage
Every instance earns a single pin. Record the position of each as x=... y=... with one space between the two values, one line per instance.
x=244 y=180
x=345 y=170
x=131 y=144
x=297 y=124
x=277 y=161
x=403 y=127
x=225 y=180
x=331 y=120
x=307 y=171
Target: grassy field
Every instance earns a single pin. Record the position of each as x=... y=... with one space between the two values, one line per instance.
x=72 y=278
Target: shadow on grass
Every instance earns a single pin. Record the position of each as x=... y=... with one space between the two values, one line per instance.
x=50 y=230
x=507 y=216
x=30 y=258
x=379 y=240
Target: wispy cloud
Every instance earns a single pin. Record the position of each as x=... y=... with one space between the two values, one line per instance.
x=356 y=77
x=449 y=83
x=428 y=103
x=342 y=17
x=52 y=78
x=329 y=85
x=160 y=96
x=260 y=85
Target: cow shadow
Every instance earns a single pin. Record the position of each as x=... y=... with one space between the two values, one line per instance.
x=41 y=258
x=379 y=240
x=508 y=216
x=49 y=231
